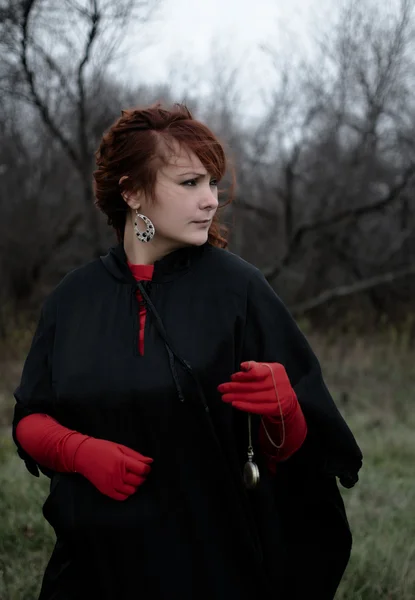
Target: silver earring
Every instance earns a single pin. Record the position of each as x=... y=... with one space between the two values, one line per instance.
x=148 y=234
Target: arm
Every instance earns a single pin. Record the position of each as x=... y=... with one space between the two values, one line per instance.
x=264 y=389
x=112 y=468
x=281 y=438
x=272 y=336
x=35 y=391
x=43 y=443
x=50 y=444
x=313 y=519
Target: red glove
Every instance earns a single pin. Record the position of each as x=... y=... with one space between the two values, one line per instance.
x=114 y=469
x=264 y=389
x=260 y=388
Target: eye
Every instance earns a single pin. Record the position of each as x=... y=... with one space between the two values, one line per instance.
x=193 y=182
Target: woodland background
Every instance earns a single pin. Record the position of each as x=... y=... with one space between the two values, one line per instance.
x=324 y=206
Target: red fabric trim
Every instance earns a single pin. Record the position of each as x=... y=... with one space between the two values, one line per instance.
x=141 y=273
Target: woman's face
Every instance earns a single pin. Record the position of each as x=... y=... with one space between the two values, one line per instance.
x=186 y=200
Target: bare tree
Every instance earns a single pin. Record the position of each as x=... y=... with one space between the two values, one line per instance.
x=338 y=164
x=56 y=54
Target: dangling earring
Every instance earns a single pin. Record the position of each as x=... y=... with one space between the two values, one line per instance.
x=148 y=234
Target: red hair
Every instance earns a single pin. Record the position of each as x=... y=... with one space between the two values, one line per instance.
x=135 y=146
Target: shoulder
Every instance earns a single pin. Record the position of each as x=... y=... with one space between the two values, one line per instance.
x=229 y=265
x=85 y=275
x=80 y=279
x=233 y=273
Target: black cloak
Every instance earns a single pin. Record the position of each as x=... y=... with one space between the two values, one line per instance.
x=191 y=531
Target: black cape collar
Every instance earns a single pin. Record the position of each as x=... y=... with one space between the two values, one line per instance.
x=166 y=269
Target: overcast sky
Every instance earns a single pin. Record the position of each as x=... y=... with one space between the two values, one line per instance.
x=187 y=30
x=188 y=27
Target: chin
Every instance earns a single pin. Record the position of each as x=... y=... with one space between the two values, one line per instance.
x=198 y=239
x=192 y=239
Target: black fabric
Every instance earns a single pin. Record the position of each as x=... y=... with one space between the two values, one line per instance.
x=192 y=530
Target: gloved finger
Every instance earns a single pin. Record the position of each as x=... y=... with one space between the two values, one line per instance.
x=133 y=479
x=248 y=365
x=133 y=454
x=117 y=495
x=266 y=386
x=253 y=365
x=260 y=370
x=256 y=409
x=258 y=374
x=253 y=397
x=125 y=489
x=246 y=387
x=135 y=466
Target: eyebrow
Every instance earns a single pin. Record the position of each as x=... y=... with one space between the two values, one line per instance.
x=193 y=173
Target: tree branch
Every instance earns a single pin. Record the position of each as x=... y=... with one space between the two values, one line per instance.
x=61 y=239
x=43 y=110
x=83 y=138
x=53 y=66
x=257 y=210
x=351 y=213
x=352 y=289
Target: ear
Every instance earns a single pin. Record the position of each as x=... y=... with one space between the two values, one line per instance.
x=129 y=196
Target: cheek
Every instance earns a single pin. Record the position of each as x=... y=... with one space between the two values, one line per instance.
x=170 y=219
x=173 y=210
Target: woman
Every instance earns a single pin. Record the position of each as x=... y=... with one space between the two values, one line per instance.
x=191 y=442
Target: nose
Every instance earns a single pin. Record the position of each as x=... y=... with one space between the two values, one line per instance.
x=209 y=199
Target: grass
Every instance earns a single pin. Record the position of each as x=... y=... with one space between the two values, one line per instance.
x=381 y=510
x=373 y=382
x=26 y=539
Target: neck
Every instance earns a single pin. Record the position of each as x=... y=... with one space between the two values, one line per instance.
x=143 y=253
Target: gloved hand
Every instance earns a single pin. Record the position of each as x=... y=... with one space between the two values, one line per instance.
x=261 y=388
x=114 y=469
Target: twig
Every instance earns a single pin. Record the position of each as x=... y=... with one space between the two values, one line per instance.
x=352 y=289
